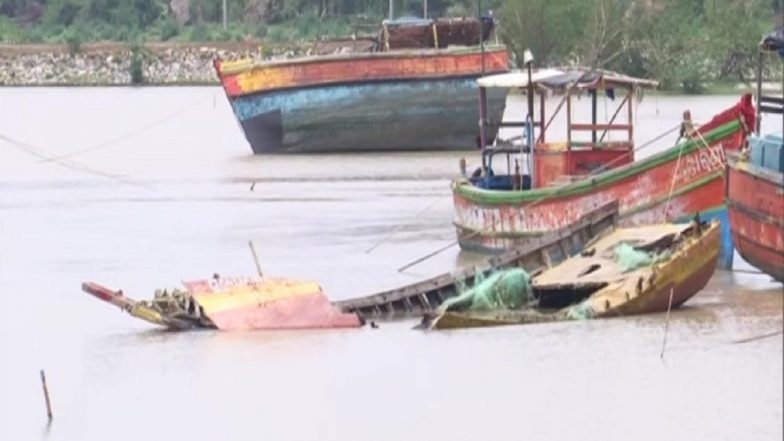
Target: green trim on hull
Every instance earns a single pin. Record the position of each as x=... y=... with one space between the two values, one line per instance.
x=465 y=189
x=535 y=233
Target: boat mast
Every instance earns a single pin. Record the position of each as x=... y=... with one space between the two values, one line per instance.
x=528 y=61
x=481 y=33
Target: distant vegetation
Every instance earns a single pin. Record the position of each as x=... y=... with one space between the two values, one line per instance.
x=683 y=43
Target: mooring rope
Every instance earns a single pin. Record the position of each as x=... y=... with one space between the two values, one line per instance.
x=68 y=164
x=672 y=182
x=131 y=134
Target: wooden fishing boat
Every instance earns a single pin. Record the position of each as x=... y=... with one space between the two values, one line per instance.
x=237 y=303
x=403 y=99
x=559 y=181
x=755 y=186
x=535 y=256
x=678 y=260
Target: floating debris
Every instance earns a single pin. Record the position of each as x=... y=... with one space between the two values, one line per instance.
x=236 y=303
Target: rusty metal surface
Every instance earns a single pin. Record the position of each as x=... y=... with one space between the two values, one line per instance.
x=755 y=201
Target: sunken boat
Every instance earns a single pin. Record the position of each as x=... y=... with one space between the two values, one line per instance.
x=412 y=90
x=232 y=304
x=534 y=257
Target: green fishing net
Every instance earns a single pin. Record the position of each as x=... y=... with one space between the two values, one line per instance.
x=630 y=258
x=503 y=289
x=580 y=311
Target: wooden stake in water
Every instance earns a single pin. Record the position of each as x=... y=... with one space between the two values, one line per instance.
x=255 y=258
x=667 y=324
x=46 y=396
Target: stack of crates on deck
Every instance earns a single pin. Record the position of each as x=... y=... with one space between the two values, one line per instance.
x=768 y=152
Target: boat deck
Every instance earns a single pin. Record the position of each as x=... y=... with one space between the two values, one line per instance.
x=597 y=263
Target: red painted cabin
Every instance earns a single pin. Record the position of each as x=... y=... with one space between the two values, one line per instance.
x=584 y=149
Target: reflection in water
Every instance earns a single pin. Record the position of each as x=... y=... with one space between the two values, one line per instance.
x=312 y=216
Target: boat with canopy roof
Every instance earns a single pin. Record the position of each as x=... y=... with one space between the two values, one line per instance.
x=550 y=182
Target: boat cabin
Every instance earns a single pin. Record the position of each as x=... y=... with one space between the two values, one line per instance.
x=542 y=158
x=767 y=150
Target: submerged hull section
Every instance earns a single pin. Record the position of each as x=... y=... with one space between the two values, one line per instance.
x=390 y=116
x=232 y=304
x=271 y=304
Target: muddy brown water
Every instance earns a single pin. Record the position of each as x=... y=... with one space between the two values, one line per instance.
x=174 y=202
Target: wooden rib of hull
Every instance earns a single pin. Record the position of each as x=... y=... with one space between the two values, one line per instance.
x=755 y=198
x=492 y=220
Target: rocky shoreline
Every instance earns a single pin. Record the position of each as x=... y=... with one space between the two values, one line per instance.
x=111 y=64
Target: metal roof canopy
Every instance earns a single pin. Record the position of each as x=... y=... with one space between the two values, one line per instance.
x=561 y=79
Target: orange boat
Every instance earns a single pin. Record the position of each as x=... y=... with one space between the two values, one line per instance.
x=237 y=303
x=556 y=181
x=755 y=185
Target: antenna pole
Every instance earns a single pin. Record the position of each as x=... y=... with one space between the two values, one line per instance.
x=481 y=33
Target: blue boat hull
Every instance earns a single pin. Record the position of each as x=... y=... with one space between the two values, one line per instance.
x=727 y=249
x=434 y=114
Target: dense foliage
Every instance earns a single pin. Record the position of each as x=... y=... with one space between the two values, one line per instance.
x=683 y=43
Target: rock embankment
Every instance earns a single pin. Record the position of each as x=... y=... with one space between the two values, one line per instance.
x=107 y=64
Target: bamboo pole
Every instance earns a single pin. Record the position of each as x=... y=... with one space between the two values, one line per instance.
x=255 y=258
x=46 y=396
x=667 y=324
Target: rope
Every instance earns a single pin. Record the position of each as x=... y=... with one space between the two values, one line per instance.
x=672 y=182
x=131 y=134
x=71 y=165
x=401 y=225
x=702 y=145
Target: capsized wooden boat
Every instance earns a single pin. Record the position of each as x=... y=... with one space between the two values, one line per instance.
x=236 y=303
x=558 y=179
x=604 y=280
x=755 y=184
x=534 y=257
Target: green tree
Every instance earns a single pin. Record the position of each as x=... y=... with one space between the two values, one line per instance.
x=733 y=42
x=547 y=27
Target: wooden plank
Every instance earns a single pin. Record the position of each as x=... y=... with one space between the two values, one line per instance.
x=592 y=127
